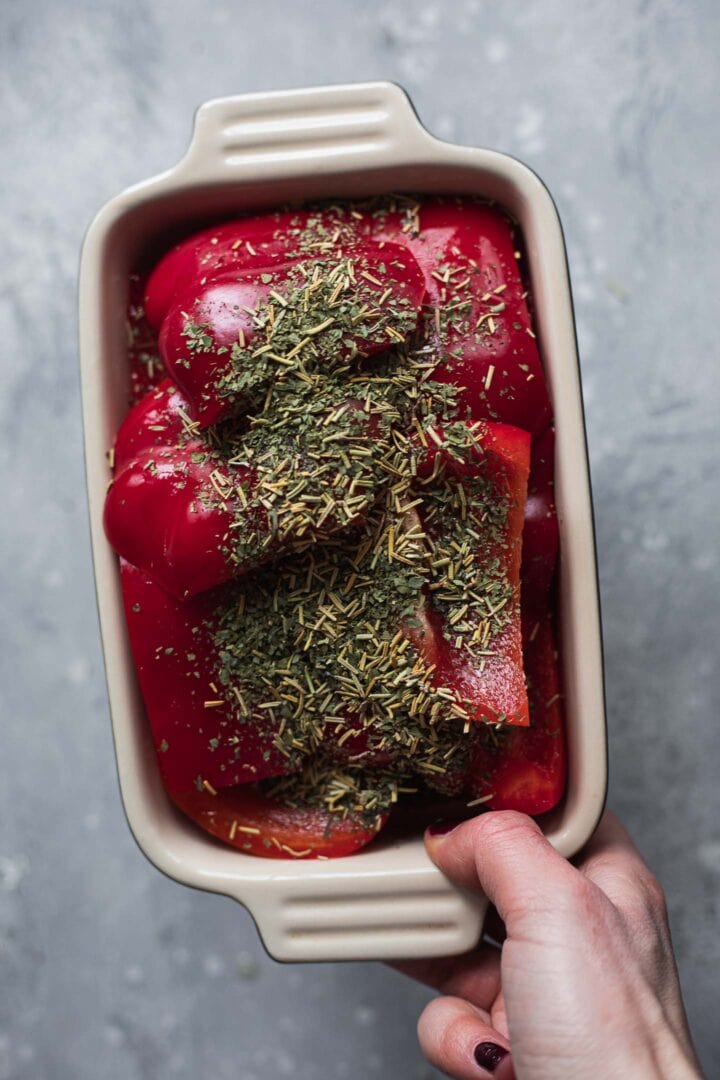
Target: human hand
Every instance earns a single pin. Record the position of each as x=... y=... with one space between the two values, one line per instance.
x=585 y=983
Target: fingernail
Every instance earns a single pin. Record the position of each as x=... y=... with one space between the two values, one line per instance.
x=442 y=828
x=488 y=1055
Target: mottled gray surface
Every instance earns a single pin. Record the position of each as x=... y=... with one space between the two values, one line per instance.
x=107 y=970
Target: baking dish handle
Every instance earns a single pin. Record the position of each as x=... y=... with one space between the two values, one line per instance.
x=330 y=129
x=357 y=916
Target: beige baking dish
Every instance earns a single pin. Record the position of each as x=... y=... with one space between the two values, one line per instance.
x=260 y=150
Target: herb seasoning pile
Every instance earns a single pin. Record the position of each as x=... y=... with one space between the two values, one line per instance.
x=332 y=500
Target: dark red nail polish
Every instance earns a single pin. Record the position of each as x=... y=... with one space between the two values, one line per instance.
x=488 y=1055
x=441 y=828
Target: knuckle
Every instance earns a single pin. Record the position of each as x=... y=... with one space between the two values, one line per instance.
x=643 y=902
x=599 y=866
x=579 y=896
x=655 y=896
x=579 y=902
x=579 y=889
x=576 y=904
x=629 y=884
x=649 y=905
x=502 y=827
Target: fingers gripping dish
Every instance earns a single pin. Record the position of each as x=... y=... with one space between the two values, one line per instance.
x=333 y=505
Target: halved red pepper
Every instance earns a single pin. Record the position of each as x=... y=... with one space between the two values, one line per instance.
x=524 y=768
x=227 y=338
x=540 y=533
x=200 y=734
x=201 y=737
x=466 y=251
x=485 y=670
x=477 y=314
x=209 y=757
x=250 y=243
x=257 y=824
x=178 y=509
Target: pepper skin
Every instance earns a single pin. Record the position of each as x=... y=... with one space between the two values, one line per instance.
x=174 y=506
x=525 y=768
x=466 y=252
x=541 y=538
x=218 y=334
x=177 y=667
x=493 y=682
x=257 y=824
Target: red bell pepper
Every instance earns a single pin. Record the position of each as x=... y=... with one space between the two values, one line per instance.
x=226 y=339
x=477 y=319
x=477 y=609
x=205 y=749
x=201 y=736
x=524 y=768
x=202 y=732
x=541 y=539
x=257 y=824
x=466 y=252
x=251 y=243
x=192 y=519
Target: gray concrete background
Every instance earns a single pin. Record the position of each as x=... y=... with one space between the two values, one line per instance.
x=107 y=970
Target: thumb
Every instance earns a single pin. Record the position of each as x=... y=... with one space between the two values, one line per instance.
x=504 y=854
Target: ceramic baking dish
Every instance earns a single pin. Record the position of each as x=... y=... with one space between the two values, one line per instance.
x=259 y=150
